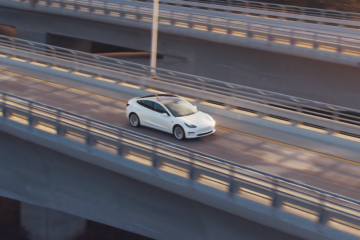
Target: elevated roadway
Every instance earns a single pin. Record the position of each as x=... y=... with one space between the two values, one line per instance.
x=321 y=21
x=263 y=57
x=276 y=202
x=260 y=13
x=44 y=177
x=273 y=11
x=316 y=169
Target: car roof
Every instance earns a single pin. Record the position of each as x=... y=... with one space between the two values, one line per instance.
x=158 y=97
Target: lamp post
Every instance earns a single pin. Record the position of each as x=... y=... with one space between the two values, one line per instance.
x=154 y=36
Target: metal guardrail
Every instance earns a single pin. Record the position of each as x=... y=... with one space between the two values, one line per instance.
x=235 y=6
x=234 y=91
x=236 y=180
x=268 y=10
x=216 y=24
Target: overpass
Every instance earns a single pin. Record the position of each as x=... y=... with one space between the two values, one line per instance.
x=265 y=56
x=108 y=73
x=105 y=168
x=330 y=131
x=48 y=62
x=273 y=11
x=107 y=76
x=67 y=184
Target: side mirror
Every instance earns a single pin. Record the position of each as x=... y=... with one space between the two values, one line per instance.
x=164 y=115
x=195 y=107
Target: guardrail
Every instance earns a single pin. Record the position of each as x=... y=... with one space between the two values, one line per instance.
x=272 y=9
x=215 y=24
x=236 y=180
x=232 y=94
x=267 y=10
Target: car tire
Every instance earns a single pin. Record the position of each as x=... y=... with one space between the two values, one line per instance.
x=134 y=120
x=179 y=132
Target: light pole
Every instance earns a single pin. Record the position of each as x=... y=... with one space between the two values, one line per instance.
x=154 y=36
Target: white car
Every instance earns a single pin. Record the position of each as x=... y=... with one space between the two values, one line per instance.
x=170 y=114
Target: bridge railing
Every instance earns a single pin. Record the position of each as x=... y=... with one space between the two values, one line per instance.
x=276 y=8
x=258 y=9
x=232 y=181
x=210 y=23
x=229 y=91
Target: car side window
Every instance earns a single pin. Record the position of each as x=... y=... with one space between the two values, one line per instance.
x=160 y=109
x=146 y=103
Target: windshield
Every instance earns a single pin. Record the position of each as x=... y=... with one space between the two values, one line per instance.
x=179 y=107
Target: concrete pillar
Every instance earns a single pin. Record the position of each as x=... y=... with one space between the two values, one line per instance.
x=47 y=224
x=31 y=36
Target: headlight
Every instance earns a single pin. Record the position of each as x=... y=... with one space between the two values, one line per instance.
x=190 y=125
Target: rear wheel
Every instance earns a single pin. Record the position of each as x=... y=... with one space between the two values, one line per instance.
x=179 y=133
x=134 y=120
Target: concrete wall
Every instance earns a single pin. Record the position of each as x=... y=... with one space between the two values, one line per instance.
x=303 y=77
x=44 y=177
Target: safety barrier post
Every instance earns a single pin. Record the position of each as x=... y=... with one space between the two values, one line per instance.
x=323 y=214
x=90 y=141
x=154 y=158
x=59 y=130
x=62 y=4
x=339 y=49
x=120 y=145
x=276 y=199
x=4 y=108
x=193 y=174
x=315 y=45
x=31 y=117
x=294 y=123
x=233 y=186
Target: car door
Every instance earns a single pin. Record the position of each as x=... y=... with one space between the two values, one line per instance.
x=160 y=122
x=146 y=112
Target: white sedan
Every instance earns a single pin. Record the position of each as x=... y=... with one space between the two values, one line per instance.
x=170 y=114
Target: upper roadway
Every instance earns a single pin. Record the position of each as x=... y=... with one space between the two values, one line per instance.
x=299 y=25
x=283 y=68
x=319 y=170
x=212 y=11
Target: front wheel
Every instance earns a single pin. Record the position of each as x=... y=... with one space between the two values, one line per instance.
x=134 y=120
x=179 y=133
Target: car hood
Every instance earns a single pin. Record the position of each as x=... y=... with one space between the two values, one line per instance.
x=197 y=119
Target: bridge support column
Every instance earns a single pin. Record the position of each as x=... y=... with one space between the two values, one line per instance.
x=47 y=224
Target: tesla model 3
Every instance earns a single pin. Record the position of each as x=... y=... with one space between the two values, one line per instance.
x=170 y=114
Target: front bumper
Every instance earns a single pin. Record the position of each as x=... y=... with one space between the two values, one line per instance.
x=195 y=134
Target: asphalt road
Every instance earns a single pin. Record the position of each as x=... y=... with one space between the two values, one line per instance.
x=309 y=168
